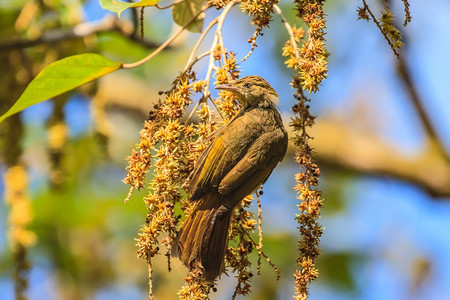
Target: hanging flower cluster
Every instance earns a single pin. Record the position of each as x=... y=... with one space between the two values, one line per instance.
x=386 y=23
x=169 y=149
x=310 y=60
x=261 y=12
x=310 y=63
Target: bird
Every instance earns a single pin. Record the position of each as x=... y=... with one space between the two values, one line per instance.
x=240 y=158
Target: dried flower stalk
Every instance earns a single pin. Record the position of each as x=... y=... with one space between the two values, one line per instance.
x=261 y=13
x=309 y=62
x=386 y=24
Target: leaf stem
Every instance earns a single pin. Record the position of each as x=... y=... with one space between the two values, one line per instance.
x=197 y=45
x=169 y=5
x=289 y=30
x=165 y=44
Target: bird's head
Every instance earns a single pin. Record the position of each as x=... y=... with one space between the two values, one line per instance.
x=252 y=91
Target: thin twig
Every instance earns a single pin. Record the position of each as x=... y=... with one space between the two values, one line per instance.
x=206 y=94
x=166 y=43
x=130 y=193
x=407 y=13
x=195 y=60
x=260 y=252
x=289 y=30
x=189 y=66
x=150 y=280
x=220 y=21
x=222 y=45
x=215 y=105
x=254 y=45
x=193 y=111
x=169 y=5
x=134 y=19
x=260 y=244
x=366 y=7
x=197 y=45
x=260 y=237
x=418 y=103
x=141 y=22
x=404 y=73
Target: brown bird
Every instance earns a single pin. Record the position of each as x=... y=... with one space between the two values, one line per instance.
x=236 y=163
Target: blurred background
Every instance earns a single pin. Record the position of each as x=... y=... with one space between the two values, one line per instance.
x=382 y=140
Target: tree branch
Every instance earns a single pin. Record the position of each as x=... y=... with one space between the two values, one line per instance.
x=404 y=72
x=220 y=21
x=288 y=29
x=199 y=42
x=338 y=145
x=109 y=23
x=418 y=103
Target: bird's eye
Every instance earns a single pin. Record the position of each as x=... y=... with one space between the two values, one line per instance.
x=247 y=85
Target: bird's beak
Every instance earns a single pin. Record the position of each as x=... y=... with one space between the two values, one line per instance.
x=226 y=87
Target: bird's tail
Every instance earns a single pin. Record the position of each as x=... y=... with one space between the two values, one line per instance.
x=203 y=238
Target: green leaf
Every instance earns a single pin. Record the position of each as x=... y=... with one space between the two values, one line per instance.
x=184 y=11
x=62 y=76
x=119 y=6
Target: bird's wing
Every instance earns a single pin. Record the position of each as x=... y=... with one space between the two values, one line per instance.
x=198 y=167
x=253 y=169
x=219 y=158
x=242 y=172
x=205 y=167
x=243 y=180
x=236 y=164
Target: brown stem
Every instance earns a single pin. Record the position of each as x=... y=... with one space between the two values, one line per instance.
x=165 y=44
x=169 y=5
x=403 y=70
x=339 y=145
x=109 y=23
x=366 y=7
